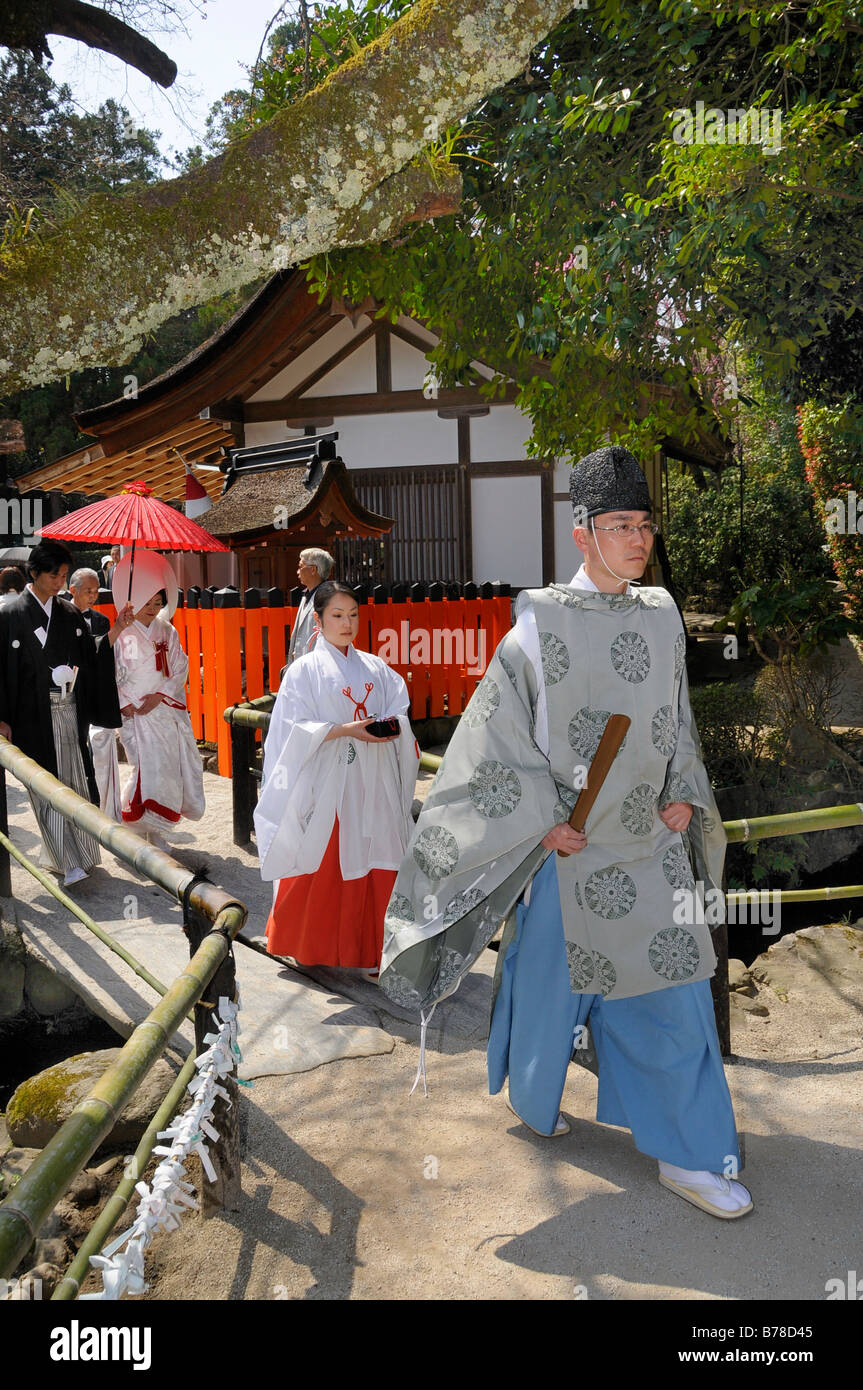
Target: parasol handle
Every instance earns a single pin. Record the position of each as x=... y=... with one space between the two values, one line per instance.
x=609 y=745
x=131 y=572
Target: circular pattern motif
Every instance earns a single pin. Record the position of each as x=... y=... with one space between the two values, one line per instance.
x=606 y=975
x=586 y=728
x=708 y=822
x=452 y=967
x=630 y=657
x=676 y=867
x=554 y=656
x=396 y=988
x=461 y=904
x=673 y=953
x=679 y=655
x=494 y=790
x=352 y=751
x=636 y=813
x=508 y=668
x=610 y=892
x=400 y=912
x=663 y=731
x=677 y=789
x=436 y=851
x=581 y=967
x=485 y=701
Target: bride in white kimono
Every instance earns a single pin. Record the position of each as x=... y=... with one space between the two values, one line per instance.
x=165 y=780
x=333 y=818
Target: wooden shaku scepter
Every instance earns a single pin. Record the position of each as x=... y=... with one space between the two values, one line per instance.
x=612 y=737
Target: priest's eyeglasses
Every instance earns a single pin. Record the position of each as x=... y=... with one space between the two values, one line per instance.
x=626 y=529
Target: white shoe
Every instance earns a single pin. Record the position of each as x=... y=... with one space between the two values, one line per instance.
x=74 y=876
x=711 y=1192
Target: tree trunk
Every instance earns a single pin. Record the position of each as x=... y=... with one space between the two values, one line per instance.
x=332 y=170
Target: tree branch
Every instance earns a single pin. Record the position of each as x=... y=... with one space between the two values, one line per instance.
x=332 y=170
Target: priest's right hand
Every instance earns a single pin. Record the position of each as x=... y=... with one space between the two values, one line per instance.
x=5 y=730
x=565 y=838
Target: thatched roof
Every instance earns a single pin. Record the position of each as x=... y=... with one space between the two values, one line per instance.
x=258 y=500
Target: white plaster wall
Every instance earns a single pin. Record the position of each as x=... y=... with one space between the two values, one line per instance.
x=502 y=434
x=284 y=381
x=409 y=366
x=507 y=530
x=400 y=440
x=567 y=556
x=356 y=373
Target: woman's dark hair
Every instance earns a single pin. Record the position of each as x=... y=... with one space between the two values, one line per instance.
x=324 y=592
x=47 y=557
x=11 y=580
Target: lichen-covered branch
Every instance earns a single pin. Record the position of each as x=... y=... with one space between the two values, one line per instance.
x=332 y=170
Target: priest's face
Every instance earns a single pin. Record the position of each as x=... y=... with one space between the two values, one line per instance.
x=308 y=574
x=340 y=620
x=610 y=552
x=86 y=594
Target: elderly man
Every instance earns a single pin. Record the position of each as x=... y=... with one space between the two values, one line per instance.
x=84 y=588
x=596 y=962
x=315 y=566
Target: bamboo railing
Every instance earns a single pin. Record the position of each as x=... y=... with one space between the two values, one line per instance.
x=49 y=1176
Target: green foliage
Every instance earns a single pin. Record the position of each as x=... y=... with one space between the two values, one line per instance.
x=831 y=437
x=729 y=716
x=798 y=618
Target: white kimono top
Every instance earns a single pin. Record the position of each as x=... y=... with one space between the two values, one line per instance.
x=160 y=745
x=307 y=782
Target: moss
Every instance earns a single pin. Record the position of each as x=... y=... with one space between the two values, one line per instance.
x=42 y=1095
x=324 y=173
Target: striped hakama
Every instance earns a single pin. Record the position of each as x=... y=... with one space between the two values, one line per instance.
x=65 y=846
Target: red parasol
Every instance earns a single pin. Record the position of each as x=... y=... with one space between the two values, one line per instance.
x=135 y=516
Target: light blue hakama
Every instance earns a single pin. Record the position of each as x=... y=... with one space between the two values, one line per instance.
x=660 y=1068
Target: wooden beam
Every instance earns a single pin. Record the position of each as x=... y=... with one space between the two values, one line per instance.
x=546 y=493
x=347 y=350
x=510 y=468
x=383 y=357
x=370 y=403
x=407 y=336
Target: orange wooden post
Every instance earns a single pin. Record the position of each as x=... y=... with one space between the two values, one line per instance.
x=362 y=642
x=193 y=652
x=228 y=678
x=456 y=669
x=253 y=643
x=503 y=611
x=396 y=617
x=276 y=618
x=208 y=666
x=419 y=612
x=438 y=658
x=477 y=642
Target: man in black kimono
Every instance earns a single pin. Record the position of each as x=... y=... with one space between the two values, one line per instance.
x=55 y=683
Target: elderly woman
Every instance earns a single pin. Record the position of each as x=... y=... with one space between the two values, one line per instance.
x=166 y=779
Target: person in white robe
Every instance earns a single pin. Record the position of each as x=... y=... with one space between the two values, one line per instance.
x=333 y=818
x=165 y=780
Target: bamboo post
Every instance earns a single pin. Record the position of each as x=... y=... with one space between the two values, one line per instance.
x=223 y=1194
x=5 y=868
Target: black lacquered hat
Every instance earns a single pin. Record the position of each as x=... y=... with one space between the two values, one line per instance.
x=608 y=480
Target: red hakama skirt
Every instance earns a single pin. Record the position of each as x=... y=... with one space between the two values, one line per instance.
x=323 y=919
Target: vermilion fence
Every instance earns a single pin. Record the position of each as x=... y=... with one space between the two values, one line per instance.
x=440 y=638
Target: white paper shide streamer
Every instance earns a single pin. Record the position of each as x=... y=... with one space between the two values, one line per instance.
x=171 y=1195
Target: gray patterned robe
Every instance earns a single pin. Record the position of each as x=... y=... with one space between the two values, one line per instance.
x=477 y=843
